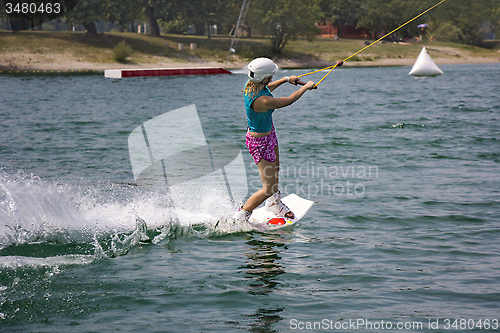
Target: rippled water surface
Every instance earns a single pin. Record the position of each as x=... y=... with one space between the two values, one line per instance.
x=404 y=173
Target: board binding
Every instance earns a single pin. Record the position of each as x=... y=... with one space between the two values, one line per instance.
x=264 y=220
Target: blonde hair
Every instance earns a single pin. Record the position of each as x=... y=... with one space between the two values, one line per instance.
x=253 y=88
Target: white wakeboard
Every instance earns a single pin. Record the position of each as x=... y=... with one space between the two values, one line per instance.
x=264 y=220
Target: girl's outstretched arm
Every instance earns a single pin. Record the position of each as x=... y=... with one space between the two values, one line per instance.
x=264 y=103
x=275 y=84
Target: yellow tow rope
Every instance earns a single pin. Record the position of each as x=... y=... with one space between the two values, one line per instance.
x=364 y=48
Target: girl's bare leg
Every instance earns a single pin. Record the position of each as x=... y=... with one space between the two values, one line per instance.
x=269 y=174
x=269 y=177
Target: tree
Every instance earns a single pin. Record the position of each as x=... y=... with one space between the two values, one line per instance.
x=153 y=21
x=341 y=12
x=457 y=20
x=36 y=13
x=469 y=16
x=87 y=12
x=495 y=18
x=164 y=10
x=122 y=11
x=386 y=15
x=204 y=13
x=286 y=20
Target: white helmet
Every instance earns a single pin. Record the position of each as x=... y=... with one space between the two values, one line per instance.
x=261 y=68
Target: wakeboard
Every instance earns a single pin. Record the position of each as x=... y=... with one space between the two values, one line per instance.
x=264 y=220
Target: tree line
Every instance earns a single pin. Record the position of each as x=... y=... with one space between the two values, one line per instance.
x=464 y=21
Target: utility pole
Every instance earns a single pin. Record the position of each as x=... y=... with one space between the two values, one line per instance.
x=238 y=29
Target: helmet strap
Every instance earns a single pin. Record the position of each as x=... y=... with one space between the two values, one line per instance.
x=266 y=81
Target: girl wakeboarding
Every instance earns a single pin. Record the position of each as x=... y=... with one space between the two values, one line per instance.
x=261 y=138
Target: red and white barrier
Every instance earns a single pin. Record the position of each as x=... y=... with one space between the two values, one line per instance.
x=121 y=73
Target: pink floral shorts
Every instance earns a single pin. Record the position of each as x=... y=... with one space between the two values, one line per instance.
x=262 y=148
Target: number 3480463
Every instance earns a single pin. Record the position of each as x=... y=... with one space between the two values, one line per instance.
x=464 y=324
x=32 y=8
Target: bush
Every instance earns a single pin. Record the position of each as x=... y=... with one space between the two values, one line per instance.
x=121 y=52
x=447 y=32
x=474 y=37
x=174 y=27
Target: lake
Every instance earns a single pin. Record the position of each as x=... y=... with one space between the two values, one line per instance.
x=404 y=173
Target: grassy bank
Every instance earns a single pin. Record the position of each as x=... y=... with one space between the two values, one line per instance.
x=40 y=49
x=326 y=49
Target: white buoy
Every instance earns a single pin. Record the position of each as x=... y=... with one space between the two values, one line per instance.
x=425 y=66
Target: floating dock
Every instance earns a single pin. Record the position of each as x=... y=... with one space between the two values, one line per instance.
x=121 y=73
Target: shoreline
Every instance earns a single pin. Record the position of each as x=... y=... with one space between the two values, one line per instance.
x=65 y=52
x=78 y=66
x=40 y=63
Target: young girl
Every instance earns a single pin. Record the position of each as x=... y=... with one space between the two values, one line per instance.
x=261 y=137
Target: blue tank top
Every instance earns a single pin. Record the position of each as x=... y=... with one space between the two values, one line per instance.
x=258 y=122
